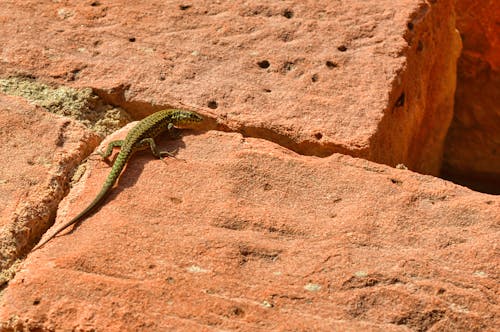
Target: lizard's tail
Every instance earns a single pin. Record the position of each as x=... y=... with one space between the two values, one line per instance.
x=118 y=165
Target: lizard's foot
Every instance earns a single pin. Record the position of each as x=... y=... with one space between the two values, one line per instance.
x=169 y=153
x=164 y=154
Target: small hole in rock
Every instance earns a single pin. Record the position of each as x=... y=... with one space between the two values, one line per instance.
x=212 y=104
x=287 y=66
x=95 y=4
x=440 y=291
x=175 y=200
x=286 y=36
x=288 y=13
x=318 y=136
x=264 y=64
x=342 y=48
x=420 y=46
x=184 y=7
x=401 y=100
x=36 y=301
x=314 y=78
x=74 y=74
x=396 y=181
x=267 y=90
x=237 y=311
x=131 y=39
x=331 y=64
x=410 y=26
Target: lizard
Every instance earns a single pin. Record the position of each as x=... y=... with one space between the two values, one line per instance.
x=138 y=138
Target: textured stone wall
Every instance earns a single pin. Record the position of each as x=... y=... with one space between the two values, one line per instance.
x=472 y=153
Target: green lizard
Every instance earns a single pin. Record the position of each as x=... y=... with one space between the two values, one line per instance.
x=138 y=138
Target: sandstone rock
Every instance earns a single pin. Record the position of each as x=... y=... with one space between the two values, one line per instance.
x=472 y=150
x=239 y=233
x=373 y=79
x=249 y=228
x=39 y=152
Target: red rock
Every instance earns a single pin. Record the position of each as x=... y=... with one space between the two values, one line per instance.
x=373 y=79
x=39 y=152
x=240 y=233
x=471 y=154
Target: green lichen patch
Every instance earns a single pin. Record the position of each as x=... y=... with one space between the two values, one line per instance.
x=80 y=104
x=8 y=274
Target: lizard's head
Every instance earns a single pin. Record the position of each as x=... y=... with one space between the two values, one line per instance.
x=181 y=118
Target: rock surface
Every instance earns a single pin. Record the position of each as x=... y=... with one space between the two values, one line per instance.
x=38 y=153
x=373 y=79
x=240 y=233
x=259 y=223
x=472 y=155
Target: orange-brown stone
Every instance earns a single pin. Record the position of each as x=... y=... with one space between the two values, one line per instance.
x=373 y=79
x=38 y=153
x=239 y=233
x=472 y=154
x=259 y=223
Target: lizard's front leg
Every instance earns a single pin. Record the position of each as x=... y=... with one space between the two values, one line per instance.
x=173 y=132
x=154 y=149
x=109 y=151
